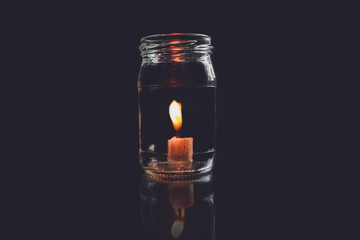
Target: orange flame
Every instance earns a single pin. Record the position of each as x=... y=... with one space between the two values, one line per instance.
x=175 y=115
x=175 y=49
x=177 y=228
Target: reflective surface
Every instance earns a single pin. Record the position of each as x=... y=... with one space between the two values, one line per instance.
x=177 y=209
x=287 y=141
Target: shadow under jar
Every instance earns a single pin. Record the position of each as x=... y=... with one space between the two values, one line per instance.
x=177 y=104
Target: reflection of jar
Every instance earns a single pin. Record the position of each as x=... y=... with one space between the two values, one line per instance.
x=176 y=86
x=172 y=209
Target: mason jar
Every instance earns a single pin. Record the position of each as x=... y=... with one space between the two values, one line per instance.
x=177 y=104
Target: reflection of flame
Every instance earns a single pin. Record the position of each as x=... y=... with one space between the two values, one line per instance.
x=177 y=228
x=175 y=115
x=175 y=49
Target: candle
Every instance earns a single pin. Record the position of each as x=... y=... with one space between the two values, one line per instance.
x=179 y=149
x=181 y=195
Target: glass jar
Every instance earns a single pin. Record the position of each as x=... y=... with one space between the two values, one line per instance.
x=177 y=104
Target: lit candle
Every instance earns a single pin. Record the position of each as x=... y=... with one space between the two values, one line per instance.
x=179 y=149
x=181 y=196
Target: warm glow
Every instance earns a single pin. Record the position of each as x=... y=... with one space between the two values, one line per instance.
x=177 y=228
x=175 y=115
x=175 y=49
x=174 y=46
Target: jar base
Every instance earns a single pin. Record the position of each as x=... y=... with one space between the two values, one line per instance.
x=157 y=164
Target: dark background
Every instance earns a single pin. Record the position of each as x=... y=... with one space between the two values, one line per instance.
x=287 y=115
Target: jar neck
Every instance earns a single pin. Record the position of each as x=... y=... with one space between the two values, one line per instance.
x=175 y=58
x=175 y=47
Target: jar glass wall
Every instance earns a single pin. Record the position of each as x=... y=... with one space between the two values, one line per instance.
x=177 y=104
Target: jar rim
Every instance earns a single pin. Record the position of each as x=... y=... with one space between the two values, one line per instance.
x=175 y=45
x=170 y=36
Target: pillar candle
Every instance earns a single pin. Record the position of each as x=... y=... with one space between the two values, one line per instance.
x=180 y=149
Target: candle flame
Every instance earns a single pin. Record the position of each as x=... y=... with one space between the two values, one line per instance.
x=175 y=49
x=177 y=228
x=178 y=225
x=175 y=115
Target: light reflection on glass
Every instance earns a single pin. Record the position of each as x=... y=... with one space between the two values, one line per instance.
x=177 y=209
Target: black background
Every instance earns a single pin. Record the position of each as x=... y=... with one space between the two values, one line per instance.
x=285 y=110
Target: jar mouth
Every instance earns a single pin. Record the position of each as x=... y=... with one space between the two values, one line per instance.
x=175 y=43
x=174 y=36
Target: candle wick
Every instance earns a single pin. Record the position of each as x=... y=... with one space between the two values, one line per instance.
x=177 y=134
